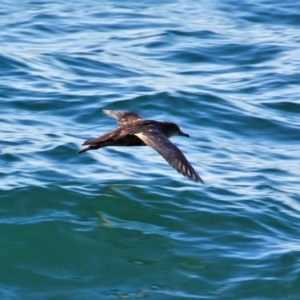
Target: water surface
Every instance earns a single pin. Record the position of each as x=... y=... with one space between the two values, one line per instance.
x=120 y=223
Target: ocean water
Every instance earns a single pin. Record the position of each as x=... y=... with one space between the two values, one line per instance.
x=120 y=223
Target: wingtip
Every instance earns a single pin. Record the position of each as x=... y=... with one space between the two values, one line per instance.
x=201 y=181
x=84 y=150
x=196 y=178
x=107 y=111
x=111 y=113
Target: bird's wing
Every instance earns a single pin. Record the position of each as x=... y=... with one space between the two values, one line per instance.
x=172 y=154
x=121 y=136
x=124 y=117
x=108 y=136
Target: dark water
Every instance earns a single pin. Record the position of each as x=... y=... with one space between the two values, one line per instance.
x=121 y=223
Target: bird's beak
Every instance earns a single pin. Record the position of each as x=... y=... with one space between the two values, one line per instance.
x=182 y=133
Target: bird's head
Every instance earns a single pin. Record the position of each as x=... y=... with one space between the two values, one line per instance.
x=171 y=129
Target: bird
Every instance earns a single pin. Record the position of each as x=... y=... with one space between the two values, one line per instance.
x=132 y=130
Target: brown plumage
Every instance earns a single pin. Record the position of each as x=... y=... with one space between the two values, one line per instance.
x=132 y=130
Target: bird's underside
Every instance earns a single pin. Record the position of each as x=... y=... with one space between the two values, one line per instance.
x=132 y=130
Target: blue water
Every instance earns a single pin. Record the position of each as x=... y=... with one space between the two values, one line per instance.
x=120 y=223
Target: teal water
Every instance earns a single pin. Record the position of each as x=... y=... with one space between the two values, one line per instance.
x=120 y=223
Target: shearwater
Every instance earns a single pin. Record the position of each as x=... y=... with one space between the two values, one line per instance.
x=133 y=130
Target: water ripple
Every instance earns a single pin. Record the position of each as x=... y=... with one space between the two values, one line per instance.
x=120 y=222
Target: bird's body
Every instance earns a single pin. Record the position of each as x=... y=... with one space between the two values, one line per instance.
x=132 y=130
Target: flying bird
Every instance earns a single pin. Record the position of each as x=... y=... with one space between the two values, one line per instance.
x=132 y=130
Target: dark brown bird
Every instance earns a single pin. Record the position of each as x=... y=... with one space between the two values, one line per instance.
x=133 y=130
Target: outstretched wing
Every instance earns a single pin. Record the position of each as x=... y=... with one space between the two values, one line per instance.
x=172 y=154
x=124 y=117
x=121 y=136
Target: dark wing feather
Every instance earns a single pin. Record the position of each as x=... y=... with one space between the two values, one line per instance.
x=105 y=137
x=172 y=154
x=124 y=117
x=121 y=136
